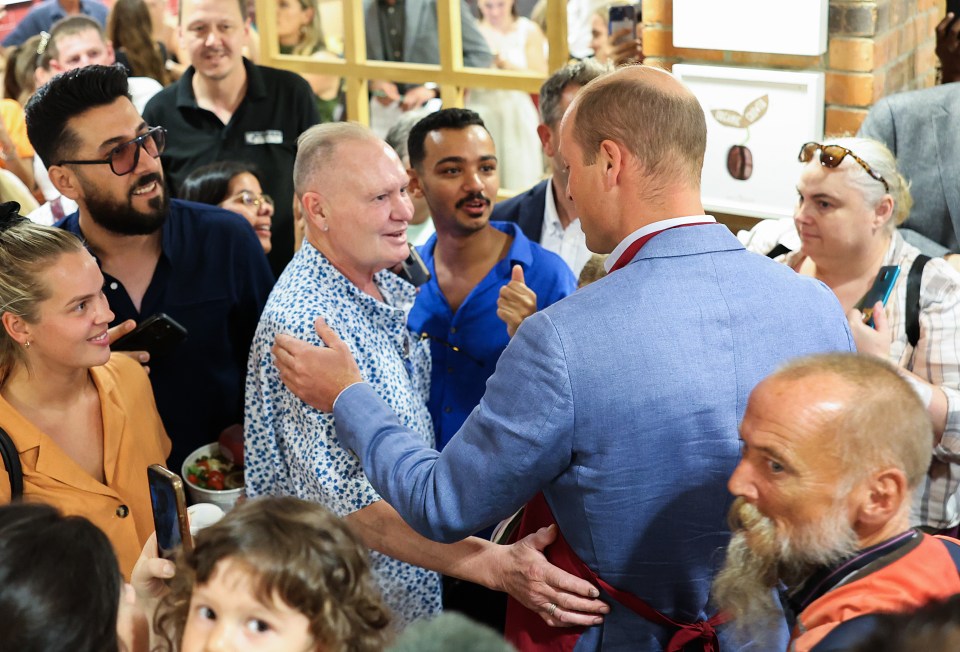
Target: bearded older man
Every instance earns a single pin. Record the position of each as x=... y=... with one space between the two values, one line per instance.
x=833 y=448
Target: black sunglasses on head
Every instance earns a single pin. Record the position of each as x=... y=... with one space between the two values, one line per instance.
x=123 y=158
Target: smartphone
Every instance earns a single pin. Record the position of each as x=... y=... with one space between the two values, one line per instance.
x=623 y=16
x=879 y=291
x=170 y=517
x=156 y=335
x=413 y=269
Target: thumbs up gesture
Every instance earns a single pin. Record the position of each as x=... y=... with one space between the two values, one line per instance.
x=516 y=302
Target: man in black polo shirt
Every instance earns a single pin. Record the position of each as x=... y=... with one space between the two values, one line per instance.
x=200 y=264
x=226 y=108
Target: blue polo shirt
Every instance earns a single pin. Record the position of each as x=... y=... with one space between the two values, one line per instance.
x=42 y=16
x=213 y=278
x=458 y=378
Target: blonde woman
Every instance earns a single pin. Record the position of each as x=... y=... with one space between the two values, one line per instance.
x=300 y=33
x=83 y=421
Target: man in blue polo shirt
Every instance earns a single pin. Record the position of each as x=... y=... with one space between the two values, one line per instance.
x=201 y=265
x=43 y=15
x=486 y=277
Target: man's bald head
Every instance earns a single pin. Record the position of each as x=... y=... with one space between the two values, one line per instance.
x=649 y=112
x=879 y=421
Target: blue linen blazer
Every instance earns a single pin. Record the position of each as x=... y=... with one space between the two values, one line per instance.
x=622 y=403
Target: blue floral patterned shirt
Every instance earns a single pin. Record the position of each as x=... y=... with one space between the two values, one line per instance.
x=292 y=449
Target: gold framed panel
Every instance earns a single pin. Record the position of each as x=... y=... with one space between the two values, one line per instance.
x=451 y=75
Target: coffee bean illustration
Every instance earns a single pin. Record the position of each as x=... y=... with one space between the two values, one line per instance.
x=739 y=157
x=740 y=162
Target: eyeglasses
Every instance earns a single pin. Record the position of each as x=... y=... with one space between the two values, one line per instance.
x=832 y=155
x=123 y=158
x=452 y=347
x=247 y=198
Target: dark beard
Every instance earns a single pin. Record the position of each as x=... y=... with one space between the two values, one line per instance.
x=121 y=218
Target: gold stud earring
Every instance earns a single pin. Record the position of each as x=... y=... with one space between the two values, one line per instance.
x=26 y=344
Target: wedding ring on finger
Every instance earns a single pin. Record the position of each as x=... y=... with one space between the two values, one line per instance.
x=553 y=608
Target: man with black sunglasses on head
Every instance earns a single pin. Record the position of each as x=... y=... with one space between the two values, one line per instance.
x=201 y=265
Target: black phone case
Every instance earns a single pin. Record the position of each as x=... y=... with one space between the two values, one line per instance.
x=157 y=335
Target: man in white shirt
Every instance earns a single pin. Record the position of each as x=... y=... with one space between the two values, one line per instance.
x=545 y=213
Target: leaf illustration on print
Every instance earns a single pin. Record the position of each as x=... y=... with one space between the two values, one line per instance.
x=739 y=157
x=730 y=118
x=756 y=109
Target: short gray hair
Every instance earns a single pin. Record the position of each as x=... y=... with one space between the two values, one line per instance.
x=316 y=147
x=668 y=140
x=882 y=422
x=579 y=73
x=884 y=163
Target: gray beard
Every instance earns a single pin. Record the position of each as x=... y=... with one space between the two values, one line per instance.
x=759 y=557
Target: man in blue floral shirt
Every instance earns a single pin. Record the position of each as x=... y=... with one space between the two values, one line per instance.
x=353 y=192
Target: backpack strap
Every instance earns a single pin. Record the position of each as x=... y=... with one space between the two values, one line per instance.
x=11 y=461
x=913 y=299
x=953 y=548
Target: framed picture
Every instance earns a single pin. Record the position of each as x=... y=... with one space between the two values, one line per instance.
x=757 y=121
x=798 y=27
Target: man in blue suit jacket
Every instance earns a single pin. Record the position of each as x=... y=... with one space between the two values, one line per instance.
x=620 y=403
x=544 y=213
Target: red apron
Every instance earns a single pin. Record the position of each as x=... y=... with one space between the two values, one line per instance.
x=528 y=632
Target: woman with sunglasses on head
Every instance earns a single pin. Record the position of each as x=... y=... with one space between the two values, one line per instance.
x=236 y=187
x=851 y=199
x=82 y=421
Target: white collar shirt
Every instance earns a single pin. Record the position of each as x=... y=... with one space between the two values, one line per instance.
x=653 y=227
x=569 y=243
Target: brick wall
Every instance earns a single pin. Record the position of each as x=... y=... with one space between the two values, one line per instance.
x=875 y=48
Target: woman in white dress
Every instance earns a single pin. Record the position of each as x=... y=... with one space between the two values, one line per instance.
x=517 y=43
